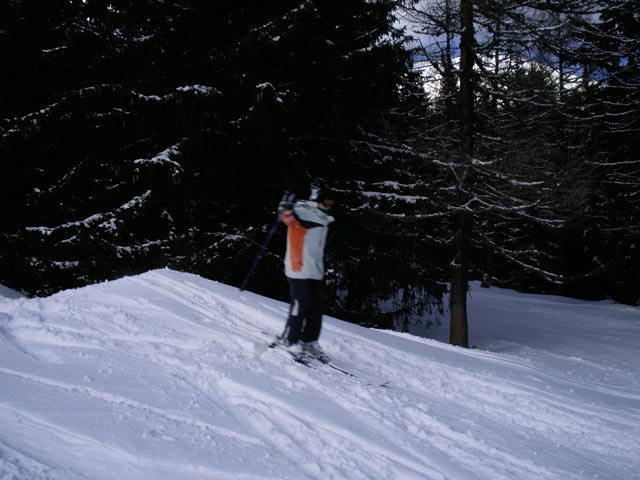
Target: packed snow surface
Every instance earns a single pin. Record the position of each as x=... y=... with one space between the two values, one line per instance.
x=167 y=375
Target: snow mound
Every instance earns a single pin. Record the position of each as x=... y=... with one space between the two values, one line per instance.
x=6 y=292
x=167 y=375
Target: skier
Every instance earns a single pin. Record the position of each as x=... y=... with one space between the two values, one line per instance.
x=307 y=226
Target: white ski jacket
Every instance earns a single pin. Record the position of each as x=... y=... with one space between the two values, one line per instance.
x=306 y=238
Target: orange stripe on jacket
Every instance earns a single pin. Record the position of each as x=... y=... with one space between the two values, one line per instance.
x=295 y=238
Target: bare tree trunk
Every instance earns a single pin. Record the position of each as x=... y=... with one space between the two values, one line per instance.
x=459 y=330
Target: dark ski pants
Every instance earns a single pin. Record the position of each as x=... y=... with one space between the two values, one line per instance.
x=305 y=314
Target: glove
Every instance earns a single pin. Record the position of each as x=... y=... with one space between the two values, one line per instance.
x=287 y=217
x=283 y=206
x=286 y=203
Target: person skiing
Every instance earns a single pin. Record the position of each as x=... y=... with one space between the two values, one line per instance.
x=307 y=224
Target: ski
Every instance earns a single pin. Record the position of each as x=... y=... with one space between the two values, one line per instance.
x=341 y=370
x=315 y=363
x=353 y=375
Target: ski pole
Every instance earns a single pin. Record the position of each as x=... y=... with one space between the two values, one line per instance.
x=274 y=227
x=287 y=201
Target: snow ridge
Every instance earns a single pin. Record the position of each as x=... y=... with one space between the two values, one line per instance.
x=168 y=375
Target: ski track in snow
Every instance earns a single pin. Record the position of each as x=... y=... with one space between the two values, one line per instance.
x=168 y=375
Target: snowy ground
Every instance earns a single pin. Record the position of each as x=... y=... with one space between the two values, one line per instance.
x=168 y=376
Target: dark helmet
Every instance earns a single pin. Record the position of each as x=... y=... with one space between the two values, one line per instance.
x=326 y=197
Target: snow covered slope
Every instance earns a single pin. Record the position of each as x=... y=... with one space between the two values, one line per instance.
x=168 y=376
x=6 y=292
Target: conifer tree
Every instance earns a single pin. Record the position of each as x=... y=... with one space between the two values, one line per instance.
x=121 y=125
x=166 y=132
x=499 y=177
x=609 y=54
